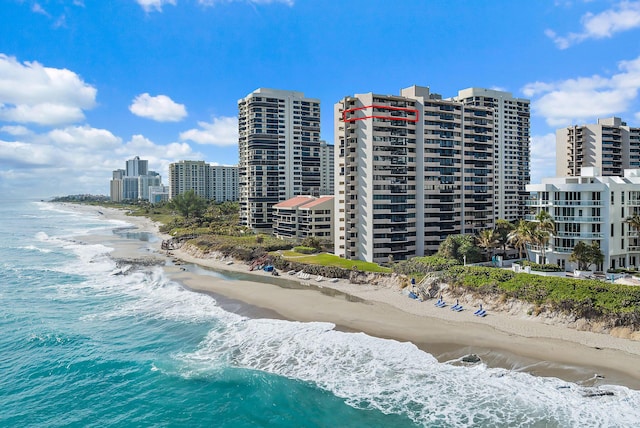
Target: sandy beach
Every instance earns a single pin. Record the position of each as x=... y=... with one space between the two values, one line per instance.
x=513 y=341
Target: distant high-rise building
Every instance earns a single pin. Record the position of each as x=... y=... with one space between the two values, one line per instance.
x=212 y=182
x=223 y=183
x=116 y=187
x=327 y=156
x=511 y=169
x=137 y=167
x=410 y=170
x=279 y=148
x=188 y=175
x=146 y=181
x=610 y=145
x=133 y=182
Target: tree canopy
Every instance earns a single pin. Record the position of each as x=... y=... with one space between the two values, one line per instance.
x=458 y=247
x=586 y=255
x=188 y=204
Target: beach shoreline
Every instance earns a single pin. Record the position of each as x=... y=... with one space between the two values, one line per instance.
x=514 y=342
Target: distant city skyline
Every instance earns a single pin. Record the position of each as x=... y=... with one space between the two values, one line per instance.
x=84 y=86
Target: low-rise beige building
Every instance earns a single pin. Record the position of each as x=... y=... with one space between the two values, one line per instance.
x=304 y=216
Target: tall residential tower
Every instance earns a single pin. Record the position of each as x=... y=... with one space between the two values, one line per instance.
x=511 y=169
x=610 y=145
x=279 y=151
x=410 y=170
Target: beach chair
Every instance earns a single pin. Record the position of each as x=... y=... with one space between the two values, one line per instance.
x=478 y=311
x=482 y=313
x=440 y=303
x=456 y=306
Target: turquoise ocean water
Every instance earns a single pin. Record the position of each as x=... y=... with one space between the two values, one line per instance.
x=80 y=347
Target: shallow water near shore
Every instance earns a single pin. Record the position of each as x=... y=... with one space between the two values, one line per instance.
x=84 y=347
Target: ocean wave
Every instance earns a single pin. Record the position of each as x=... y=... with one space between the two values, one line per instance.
x=396 y=377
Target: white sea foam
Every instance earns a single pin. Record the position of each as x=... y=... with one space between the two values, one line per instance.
x=34 y=248
x=396 y=377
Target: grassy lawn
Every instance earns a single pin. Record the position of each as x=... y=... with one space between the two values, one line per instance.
x=325 y=259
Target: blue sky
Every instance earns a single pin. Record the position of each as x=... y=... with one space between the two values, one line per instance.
x=87 y=84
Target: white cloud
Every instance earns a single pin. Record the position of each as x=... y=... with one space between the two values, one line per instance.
x=42 y=114
x=543 y=157
x=76 y=159
x=32 y=93
x=15 y=130
x=623 y=17
x=84 y=136
x=37 y=8
x=586 y=98
x=222 y=131
x=160 y=108
x=151 y=5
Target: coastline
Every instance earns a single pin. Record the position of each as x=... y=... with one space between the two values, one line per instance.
x=515 y=342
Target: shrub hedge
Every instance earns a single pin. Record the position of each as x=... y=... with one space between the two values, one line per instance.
x=615 y=304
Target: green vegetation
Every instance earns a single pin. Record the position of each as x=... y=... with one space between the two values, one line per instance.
x=586 y=255
x=423 y=265
x=615 y=304
x=325 y=259
x=460 y=248
x=188 y=204
x=541 y=267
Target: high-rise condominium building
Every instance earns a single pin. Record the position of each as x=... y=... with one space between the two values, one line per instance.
x=188 y=175
x=511 y=169
x=213 y=182
x=223 y=183
x=610 y=145
x=327 y=154
x=279 y=148
x=410 y=170
x=116 y=187
x=137 y=167
x=133 y=182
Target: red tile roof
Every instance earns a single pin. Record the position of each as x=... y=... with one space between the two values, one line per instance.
x=294 y=202
x=317 y=202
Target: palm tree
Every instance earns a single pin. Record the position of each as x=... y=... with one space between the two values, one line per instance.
x=520 y=236
x=488 y=239
x=634 y=224
x=546 y=229
x=503 y=228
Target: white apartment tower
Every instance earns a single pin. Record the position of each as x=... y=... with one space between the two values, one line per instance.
x=223 y=183
x=511 y=169
x=218 y=183
x=610 y=145
x=188 y=175
x=589 y=208
x=279 y=152
x=410 y=170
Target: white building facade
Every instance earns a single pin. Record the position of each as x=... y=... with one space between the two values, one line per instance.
x=410 y=170
x=279 y=152
x=589 y=208
x=212 y=182
x=511 y=169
